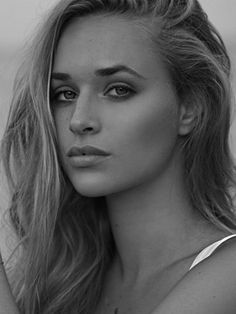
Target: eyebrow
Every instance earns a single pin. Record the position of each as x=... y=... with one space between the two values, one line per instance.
x=101 y=72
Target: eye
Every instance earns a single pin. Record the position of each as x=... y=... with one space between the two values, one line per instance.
x=63 y=95
x=120 y=91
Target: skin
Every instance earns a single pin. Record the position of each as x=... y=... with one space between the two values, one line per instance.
x=141 y=124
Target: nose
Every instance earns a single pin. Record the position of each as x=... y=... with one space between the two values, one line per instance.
x=83 y=127
x=83 y=119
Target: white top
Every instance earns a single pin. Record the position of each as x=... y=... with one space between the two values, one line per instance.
x=209 y=250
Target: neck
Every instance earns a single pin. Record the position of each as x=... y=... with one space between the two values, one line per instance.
x=150 y=224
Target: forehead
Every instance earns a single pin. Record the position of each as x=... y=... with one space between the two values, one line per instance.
x=98 y=41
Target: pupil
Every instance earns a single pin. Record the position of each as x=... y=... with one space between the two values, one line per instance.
x=69 y=95
x=121 y=90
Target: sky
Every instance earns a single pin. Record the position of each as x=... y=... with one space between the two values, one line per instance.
x=18 y=17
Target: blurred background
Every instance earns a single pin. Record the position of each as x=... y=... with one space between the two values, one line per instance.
x=18 y=20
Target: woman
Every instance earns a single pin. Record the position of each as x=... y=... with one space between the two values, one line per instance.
x=116 y=227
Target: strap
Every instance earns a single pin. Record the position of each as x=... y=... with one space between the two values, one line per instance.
x=209 y=250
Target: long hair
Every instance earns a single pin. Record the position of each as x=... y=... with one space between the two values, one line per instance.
x=65 y=239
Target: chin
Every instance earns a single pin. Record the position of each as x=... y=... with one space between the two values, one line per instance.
x=91 y=192
x=91 y=189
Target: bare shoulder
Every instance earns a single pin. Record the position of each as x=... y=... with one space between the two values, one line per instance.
x=209 y=288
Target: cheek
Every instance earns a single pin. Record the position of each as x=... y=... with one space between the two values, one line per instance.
x=158 y=129
x=149 y=140
x=154 y=130
x=64 y=135
x=61 y=119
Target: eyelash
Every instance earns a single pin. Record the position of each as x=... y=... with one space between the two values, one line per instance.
x=129 y=89
x=56 y=94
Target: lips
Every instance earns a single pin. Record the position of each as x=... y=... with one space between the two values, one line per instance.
x=86 y=151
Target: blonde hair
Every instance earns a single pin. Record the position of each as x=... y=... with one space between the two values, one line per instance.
x=65 y=238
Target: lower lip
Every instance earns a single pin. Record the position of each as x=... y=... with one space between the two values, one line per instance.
x=87 y=161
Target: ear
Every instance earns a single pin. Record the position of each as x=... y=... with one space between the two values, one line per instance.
x=188 y=115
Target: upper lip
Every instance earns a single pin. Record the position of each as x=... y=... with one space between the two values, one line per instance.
x=85 y=150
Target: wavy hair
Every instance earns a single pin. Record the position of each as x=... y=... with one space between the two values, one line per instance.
x=65 y=240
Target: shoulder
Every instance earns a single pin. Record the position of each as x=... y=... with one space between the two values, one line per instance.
x=209 y=288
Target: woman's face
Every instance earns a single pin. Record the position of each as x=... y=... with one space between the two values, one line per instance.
x=132 y=111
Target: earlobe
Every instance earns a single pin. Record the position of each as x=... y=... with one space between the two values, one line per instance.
x=187 y=118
